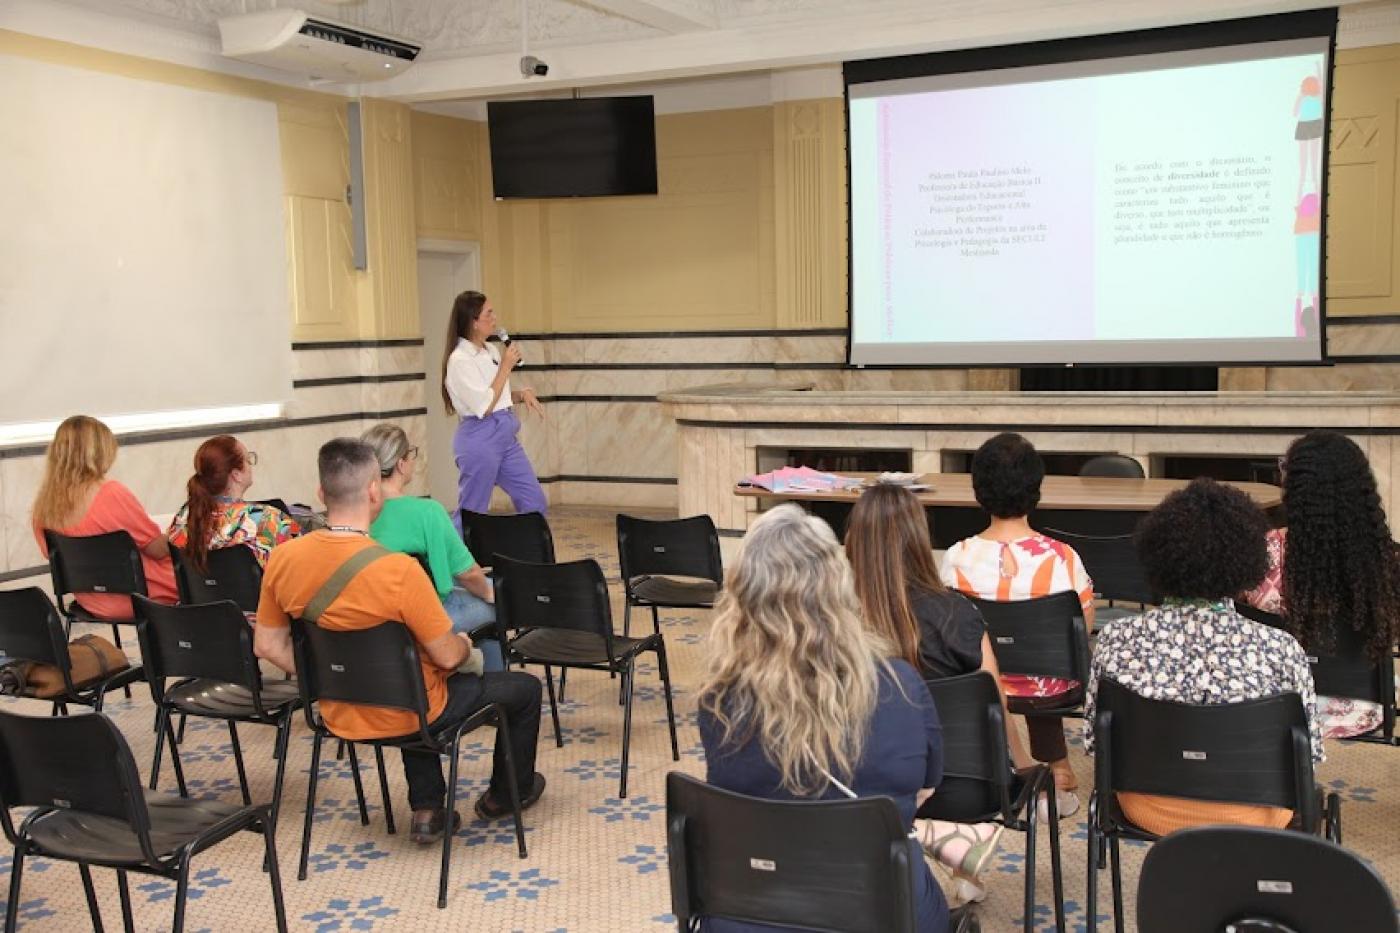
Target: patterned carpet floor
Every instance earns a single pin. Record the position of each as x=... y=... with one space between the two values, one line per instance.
x=597 y=863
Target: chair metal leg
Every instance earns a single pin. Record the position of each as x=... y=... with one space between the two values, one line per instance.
x=656 y=619
x=384 y=788
x=238 y=762
x=284 y=735
x=274 y=873
x=1091 y=899
x=665 y=671
x=91 y=895
x=447 y=831
x=310 y=806
x=182 y=893
x=1116 y=871
x=161 y=713
x=1028 y=898
x=359 y=787
x=503 y=728
x=563 y=677
x=128 y=924
x=340 y=750
x=12 y=905
x=553 y=707
x=626 y=618
x=181 y=734
x=1057 y=879
x=629 y=680
x=117 y=640
x=175 y=756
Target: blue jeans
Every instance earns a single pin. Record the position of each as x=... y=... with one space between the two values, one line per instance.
x=469 y=612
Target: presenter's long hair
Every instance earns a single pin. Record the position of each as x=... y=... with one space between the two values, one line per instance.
x=82 y=451
x=791 y=665
x=891 y=555
x=1340 y=565
x=214 y=463
x=465 y=310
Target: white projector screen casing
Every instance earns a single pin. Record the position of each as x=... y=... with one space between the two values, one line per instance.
x=1133 y=209
x=143 y=262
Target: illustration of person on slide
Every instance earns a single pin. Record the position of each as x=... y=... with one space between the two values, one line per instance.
x=1307 y=230
x=1307 y=108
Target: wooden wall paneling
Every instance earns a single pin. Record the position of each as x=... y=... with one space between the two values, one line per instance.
x=392 y=280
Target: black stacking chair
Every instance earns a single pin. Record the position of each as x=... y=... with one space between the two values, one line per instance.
x=1113 y=465
x=78 y=774
x=1247 y=878
x=379 y=666
x=1045 y=637
x=559 y=615
x=673 y=564
x=1257 y=752
x=974 y=749
x=109 y=564
x=1112 y=563
x=525 y=536
x=231 y=573
x=208 y=648
x=1346 y=672
x=30 y=630
x=278 y=504
x=842 y=865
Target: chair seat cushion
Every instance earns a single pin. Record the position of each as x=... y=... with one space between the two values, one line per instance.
x=175 y=821
x=671 y=591
x=566 y=646
x=203 y=697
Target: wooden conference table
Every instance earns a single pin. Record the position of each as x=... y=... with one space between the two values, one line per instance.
x=1093 y=505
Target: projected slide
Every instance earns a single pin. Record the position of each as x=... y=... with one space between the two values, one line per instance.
x=1170 y=213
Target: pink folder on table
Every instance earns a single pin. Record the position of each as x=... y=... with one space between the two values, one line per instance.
x=800 y=479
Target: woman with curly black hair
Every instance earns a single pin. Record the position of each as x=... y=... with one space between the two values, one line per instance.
x=1009 y=561
x=1333 y=572
x=1200 y=547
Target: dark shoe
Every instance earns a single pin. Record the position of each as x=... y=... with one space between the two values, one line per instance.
x=489 y=808
x=429 y=825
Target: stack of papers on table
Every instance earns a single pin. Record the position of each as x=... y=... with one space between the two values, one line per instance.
x=801 y=479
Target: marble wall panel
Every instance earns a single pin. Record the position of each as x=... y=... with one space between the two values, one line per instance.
x=1344 y=377
x=824 y=348
x=571 y=432
x=636 y=495
x=19 y=481
x=321 y=364
x=376 y=361
x=1363 y=339
x=628 y=439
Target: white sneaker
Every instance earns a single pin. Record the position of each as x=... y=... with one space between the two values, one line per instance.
x=1066 y=805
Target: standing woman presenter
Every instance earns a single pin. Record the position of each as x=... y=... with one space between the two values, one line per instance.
x=476 y=385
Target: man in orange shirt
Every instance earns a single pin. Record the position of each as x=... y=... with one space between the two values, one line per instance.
x=394 y=588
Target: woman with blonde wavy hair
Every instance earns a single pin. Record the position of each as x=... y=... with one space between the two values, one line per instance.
x=77 y=499
x=801 y=699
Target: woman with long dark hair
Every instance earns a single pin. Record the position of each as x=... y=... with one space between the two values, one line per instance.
x=476 y=385
x=1333 y=572
x=217 y=516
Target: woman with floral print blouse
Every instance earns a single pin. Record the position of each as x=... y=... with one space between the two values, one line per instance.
x=1201 y=546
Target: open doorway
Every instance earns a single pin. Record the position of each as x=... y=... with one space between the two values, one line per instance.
x=446 y=268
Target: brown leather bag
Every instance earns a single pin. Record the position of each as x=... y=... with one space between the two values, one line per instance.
x=92 y=658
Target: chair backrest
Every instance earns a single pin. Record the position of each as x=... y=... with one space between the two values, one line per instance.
x=278 y=504
x=683 y=547
x=1113 y=465
x=974 y=734
x=232 y=573
x=106 y=563
x=375 y=666
x=1112 y=563
x=566 y=596
x=813 y=865
x=30 y=629
x=524 y=536
x=71 y=762
x=206 y=640
x=1043 y=636
x=1254 y=752
x=1345 y=671
x=1248 y=878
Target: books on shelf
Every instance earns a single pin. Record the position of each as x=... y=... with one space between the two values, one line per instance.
x=801 y=479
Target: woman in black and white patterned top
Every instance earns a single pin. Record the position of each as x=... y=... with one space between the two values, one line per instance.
x=1203 y=544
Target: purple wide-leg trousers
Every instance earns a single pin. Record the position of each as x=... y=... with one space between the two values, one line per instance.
x=489 y=454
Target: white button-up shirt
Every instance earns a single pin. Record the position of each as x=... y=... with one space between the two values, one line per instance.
x=469 y=375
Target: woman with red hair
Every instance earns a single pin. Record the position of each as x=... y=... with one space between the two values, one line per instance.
x=217 y=516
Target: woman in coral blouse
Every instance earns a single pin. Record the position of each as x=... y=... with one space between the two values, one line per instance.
x=77 y=499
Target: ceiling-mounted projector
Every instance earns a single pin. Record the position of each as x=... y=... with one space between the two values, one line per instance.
x=293 y=40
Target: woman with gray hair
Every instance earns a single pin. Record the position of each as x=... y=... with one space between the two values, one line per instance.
x=421 y=527
x=802 y=699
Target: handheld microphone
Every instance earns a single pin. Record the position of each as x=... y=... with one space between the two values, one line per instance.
x=504 y=337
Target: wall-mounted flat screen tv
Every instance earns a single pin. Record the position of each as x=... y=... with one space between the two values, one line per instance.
x=573 y=148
